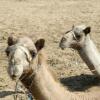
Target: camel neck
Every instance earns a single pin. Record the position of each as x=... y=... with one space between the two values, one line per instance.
x=45 y=87
x=90 y=55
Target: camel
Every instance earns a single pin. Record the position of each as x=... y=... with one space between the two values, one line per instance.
x=32 y=70
x=79 y=39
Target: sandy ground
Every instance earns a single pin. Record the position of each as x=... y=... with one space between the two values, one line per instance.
x=49 y=19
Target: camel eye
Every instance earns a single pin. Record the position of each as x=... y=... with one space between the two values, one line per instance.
x=33 y=54
x=78 y=36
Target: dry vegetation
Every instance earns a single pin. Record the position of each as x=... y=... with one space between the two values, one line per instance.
x=49 y=19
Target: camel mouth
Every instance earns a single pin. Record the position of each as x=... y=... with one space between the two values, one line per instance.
x=62 y=47
x=14 y=78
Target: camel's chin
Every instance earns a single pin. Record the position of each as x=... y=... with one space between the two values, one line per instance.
x=62 y=48
x=14 y=78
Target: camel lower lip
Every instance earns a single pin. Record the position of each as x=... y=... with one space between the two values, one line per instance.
x=62 y=48
x=13 y=78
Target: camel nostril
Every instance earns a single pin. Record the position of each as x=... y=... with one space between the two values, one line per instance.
x=13 y=76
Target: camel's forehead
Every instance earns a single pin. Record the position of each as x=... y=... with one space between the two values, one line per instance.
x=15 y=52
x=79 y=29
x=27 y=42
x=18 y=52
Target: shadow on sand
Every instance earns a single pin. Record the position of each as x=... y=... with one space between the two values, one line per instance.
x=80 y=83
x=6 y=93
x=74 y=83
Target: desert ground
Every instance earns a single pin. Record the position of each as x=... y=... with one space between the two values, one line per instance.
x=50 y=19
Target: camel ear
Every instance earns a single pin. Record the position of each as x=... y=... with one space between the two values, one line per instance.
x=87 y=30
x=39 y=44
x=12 y=40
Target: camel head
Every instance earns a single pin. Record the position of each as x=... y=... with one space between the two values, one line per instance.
x=75 y=38
x=20 y=53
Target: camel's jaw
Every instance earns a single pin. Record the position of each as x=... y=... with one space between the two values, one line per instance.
x=64 y=45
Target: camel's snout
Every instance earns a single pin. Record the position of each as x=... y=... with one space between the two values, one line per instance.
x=62 y=43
